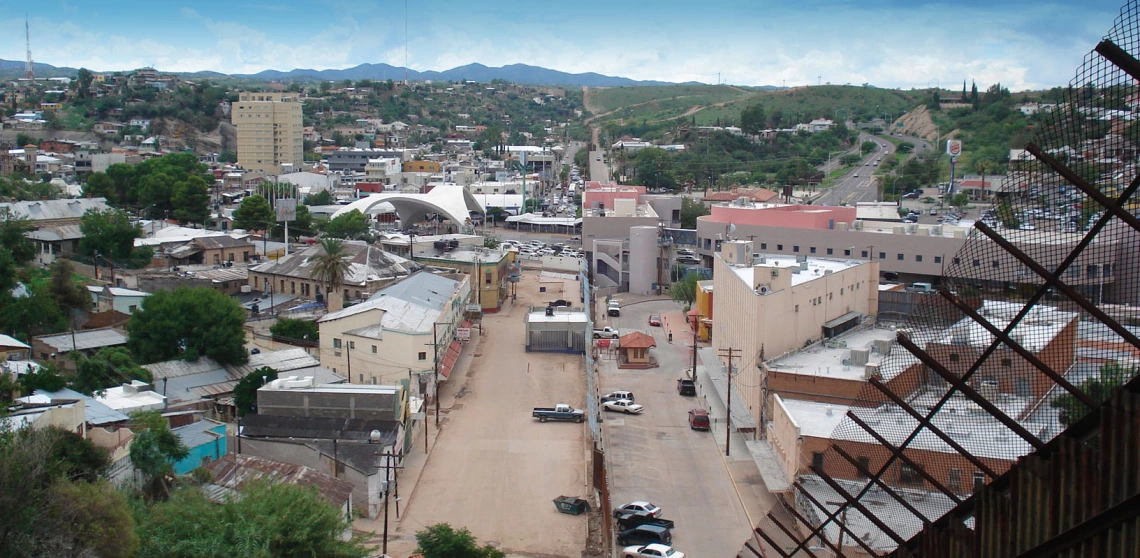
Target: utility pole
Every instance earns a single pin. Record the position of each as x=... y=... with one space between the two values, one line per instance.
x=435 y=353
x=729 y=352
x=695 y=331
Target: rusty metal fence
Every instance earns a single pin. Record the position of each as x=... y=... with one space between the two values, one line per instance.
x=1008 y=424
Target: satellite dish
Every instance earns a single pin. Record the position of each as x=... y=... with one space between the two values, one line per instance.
x=731 y=228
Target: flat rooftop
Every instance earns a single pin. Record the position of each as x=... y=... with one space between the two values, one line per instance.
x=832 y=358
x=968 y=424
x=1034 y=332
x=573 y=317
x=816 y=267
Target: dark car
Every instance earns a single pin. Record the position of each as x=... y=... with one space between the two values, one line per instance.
x=686 y=387
x=633 y=519
x=559 y=302
x=645 y=534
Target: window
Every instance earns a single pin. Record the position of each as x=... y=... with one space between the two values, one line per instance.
x=374 y=349
x=955 y=479
x=362 y=378
x=848 y=253
x=1006 y=363
x=954 y=357
x=909 y=475
x=780 y=247
x=336 y=343
x=487 y=278
x=795 y=248
x=840 y=291
x=996 y=264
x=797 y=308
x=830 y=252
x=977 y=263
x=937 y=259
x=1090 y=271
x=423 y=355
x=352 y=345
x=882 y=255
x=763 y=245
x=865 y=464
x=956 y=261
x=811 y=250
x=979 y=480
x=918 y=257
x=899 y=257
x=817 y=460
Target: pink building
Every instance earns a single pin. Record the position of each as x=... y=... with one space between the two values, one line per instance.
x=787 y=216
x=597 y=195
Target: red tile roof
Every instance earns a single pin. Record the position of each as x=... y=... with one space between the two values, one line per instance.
x=636 y=340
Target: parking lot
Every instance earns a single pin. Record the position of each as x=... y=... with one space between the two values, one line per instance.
x=655 y=456
x=494 y=469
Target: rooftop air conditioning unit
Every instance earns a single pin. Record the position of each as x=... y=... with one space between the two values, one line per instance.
x=883 y=346
x=870 y=370
x=247 y=288
x=859 y=357
x=857 y=225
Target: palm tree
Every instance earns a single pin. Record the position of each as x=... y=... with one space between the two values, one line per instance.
x=331 y=265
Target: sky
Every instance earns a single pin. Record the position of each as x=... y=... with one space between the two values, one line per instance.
x=886 y=43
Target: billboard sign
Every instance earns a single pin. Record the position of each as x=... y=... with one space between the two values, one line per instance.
x=286 y=209
x=953 y=148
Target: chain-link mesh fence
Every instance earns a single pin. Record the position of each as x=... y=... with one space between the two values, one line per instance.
x=1031 y=328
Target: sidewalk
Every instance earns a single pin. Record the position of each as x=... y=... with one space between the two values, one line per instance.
x=401 y=543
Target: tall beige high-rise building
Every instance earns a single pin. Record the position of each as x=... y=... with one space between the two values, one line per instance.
x=269 y=128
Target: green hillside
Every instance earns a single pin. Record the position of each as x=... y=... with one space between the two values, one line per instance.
x=710 y=104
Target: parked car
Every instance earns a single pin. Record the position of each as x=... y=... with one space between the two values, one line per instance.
x=606 y=333
x=559 y=302
x=645 y=534
x=686 y=387
x=654 y=320
x=651 y=551
x=616 y=395
x=638 y=506
x=613 y=308
x=622 y=405
x=685 y=252
x=699 y=419
x=560 y=411
x=633 y=519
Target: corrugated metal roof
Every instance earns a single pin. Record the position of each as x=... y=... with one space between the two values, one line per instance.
x=281 y=361
x=87 y=339
x=95 y=413
x=366 y=262
x=56 y=234
x=8 y=341
x=232 y=472
x=422 y=288
x=221 y=241
x=199 y=433
x=53 y=210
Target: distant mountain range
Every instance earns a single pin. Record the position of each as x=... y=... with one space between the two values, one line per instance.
x=514 y=73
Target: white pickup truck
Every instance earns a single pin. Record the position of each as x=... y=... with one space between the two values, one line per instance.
x=606 y=333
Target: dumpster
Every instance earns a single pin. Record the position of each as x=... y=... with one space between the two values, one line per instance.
x=572 y=505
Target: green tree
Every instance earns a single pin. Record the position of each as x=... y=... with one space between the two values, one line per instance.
x=690 y=210
x=46 y=377
x=107 y=368
x=651 y=169
x=110 y=234
x=12 y=229
x=288 y=328
x=92 y=517
x=685 y=290
x=254 y=214
x=443 y=541
x=100 y=185
x=350 y=225
x=189 y=323
x=62 y=288
x=245 y=391
x=83 y=81
x=227 y=157
x=867 y=147
x=324 y=197
x=191 y=200
x=1099 y=389
x=330 y=265
x=267 y=521
x=753 y=119
x=960 y=200
x=33 y=315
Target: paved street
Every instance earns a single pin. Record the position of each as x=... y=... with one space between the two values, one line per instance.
x=599 y=171
x=858 y=184
x=494 y=469
x=655 y=456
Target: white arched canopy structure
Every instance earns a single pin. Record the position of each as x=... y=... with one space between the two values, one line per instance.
x=452 y=201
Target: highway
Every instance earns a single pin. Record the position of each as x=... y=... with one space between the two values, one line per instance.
x=858 y=183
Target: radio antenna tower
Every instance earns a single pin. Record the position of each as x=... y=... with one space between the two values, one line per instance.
x=29 y=72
